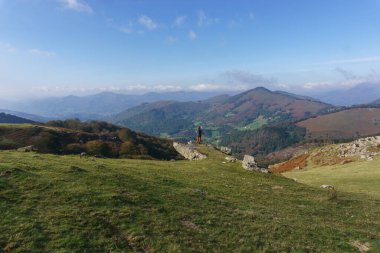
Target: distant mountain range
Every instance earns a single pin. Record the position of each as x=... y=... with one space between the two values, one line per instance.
x=97 y=106
x=364 y=93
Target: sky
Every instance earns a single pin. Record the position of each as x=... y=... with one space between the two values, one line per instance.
x=61 y=47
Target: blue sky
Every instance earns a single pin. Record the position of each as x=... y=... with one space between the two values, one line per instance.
x=60 y=47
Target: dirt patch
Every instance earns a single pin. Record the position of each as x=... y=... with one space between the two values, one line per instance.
x=296 y=162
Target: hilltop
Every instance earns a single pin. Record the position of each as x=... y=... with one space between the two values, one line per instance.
x=64 y=203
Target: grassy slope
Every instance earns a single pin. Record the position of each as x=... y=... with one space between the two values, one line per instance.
x=358 y=177
x=66 y=204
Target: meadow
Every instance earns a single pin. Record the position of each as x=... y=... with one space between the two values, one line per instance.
x=52 y=203
x=357 y=177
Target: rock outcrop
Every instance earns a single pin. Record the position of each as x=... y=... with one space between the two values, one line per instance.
x=188 y=151
x=365 y=148
x=27 y=149
x=230 y=159
x=250 y=164
x=226 y=150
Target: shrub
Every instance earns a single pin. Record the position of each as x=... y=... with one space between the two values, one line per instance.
x=97 y=147
x=75 y=148
x=48 y=143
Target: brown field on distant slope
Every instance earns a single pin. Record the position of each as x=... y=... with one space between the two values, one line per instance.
x=344 y=124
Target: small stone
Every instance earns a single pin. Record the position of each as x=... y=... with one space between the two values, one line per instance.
x=326 y=186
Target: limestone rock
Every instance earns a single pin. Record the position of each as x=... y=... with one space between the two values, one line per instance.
x=250 y=164
x=226 y=150
x=27 y=149
x=231 y=159
x=188 y=151
x=326 y=186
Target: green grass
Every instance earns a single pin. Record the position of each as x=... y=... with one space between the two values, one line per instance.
x=65 y=204
x=256 y=124
x=358 y=177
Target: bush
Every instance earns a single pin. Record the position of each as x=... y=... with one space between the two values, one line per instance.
x=97 y=147
x=127 y=148
x=48 y=143
x=75 y=148
x=126 y=135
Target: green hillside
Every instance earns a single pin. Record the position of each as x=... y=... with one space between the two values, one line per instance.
x=95 y=138
x=358 y=177
x=51 y=203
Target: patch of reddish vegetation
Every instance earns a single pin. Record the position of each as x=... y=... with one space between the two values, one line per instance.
x=297 y=162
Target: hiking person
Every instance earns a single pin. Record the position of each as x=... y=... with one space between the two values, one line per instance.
x=199 y=134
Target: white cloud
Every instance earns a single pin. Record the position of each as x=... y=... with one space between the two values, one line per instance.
x=354 y=60
x=41 y=53
x=192 y=35
x=126 y=29
x=204 y=20
x=216 y=87
x=147 y=22
x=171 y=40
x=77 y=5
x=179 y=21
x=349 y=80
x=8 y=47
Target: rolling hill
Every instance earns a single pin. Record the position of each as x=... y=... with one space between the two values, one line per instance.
x=97 y=106
x=95 y=138
x=246 y=111
x=53 y=203
x=8 y=118
x=346 y=124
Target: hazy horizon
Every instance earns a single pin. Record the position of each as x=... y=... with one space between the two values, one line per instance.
x=80 y=47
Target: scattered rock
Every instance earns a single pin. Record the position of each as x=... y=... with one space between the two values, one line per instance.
x=231 y=159
x=27 y=149
x=277 y=187
x=326 y=186
x=200 y=191
x=250 y=164
x=189 y=152
x=226 y=150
